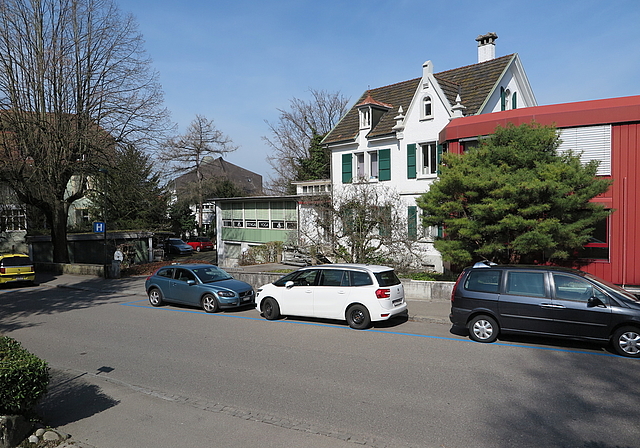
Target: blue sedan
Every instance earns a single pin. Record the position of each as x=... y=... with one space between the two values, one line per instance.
x=203 y=285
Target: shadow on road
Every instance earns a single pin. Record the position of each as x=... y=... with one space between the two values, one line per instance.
x=71 y=398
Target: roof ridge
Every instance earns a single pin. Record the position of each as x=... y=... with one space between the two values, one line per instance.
x=477 y=63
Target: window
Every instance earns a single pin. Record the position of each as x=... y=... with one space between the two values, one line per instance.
x=331 y=277
x=13 y=219
x=428 y=158
x=598 y=246
x=365 y=117
x=483 y=281
x=575 y=289
x=427 y=110
x=360 y=279
x=525 y=284
x=360 y=174
x=373 y=165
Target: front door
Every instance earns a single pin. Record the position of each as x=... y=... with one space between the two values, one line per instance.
x=574 y=315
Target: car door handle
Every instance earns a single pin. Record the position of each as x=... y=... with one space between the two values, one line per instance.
x=551 y=305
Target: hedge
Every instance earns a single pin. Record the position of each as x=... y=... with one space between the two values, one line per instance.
x=23 y=378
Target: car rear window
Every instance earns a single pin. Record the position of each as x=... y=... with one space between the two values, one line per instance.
x=15 y=261
x=387 y=278
x=483 y=280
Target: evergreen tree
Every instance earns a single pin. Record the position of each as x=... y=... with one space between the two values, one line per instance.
x=316 y=166
x=130 y=193
x=514 y=199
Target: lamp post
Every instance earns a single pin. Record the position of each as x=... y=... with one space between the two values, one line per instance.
x=104 y=219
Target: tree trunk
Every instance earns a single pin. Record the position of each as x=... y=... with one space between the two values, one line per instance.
x=59 y=232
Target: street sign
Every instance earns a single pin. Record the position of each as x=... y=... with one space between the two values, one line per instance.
x=99 y=227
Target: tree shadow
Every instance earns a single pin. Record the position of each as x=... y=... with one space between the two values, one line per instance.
x=71 y=398
x=17 y=304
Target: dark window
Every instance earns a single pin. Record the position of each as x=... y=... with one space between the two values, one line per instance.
x=360 y=279
x=387 y=278
x=15 y=261
x=331 y=277
x=598 y=246
x=568 y=287
x=167 y=273
x=483 y=281
x=525 y=283
x=299 y=278
x=183 y=275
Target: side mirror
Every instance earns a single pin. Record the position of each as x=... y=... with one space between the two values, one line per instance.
x=594 y=301
x=191 y=282
x=289 y=284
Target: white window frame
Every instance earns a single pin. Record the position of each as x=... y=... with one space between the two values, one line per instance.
x=427 y=108
x=424 y=167
x=374 y=165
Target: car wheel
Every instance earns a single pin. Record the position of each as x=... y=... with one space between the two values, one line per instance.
x=626 y=341
x=209 y=303
x=198 y=249
x=270 y=309
x=358 y=317
x=155 y=297
x=483 y=328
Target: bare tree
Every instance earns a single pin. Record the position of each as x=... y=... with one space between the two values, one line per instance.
x=296 y=128
x=186 y=152
x=361 y=223
x=74 y=83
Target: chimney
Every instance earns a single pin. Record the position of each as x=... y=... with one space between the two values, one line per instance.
x=486 y=47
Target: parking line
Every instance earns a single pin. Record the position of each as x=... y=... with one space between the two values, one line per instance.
x=136 y=304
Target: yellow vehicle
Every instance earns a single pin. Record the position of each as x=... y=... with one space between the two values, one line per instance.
x=16 y=268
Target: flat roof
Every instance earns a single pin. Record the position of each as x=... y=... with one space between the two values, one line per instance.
x=565 y=115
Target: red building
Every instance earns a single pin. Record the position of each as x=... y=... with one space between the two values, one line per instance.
x=607 y=130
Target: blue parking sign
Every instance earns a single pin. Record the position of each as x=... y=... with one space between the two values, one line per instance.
x=99 y=227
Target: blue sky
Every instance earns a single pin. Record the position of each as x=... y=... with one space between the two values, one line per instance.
x=237 y=62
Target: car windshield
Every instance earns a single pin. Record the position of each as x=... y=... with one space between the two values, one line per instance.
x=387 y=278
x=211 y=274
x=616 y=289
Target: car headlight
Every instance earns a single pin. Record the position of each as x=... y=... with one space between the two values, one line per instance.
x=226 y=294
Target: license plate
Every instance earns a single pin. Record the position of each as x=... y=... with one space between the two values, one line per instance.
x=397 y=302
x=20 y=278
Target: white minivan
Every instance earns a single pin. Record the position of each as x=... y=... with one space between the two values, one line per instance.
x=357 y=293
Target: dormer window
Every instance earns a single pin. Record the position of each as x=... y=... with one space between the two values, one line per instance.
x=365 y=117
x=427 y=110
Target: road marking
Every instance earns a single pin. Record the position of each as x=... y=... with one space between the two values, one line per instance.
x=370 y=330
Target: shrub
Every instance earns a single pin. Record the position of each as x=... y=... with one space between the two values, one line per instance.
x=23 y=378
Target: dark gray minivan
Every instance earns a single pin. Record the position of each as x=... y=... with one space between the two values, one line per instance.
x=490 y=299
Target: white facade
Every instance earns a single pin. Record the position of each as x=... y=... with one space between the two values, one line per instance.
x=394 y=141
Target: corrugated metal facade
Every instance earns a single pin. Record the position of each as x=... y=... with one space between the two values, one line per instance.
x=622 y=116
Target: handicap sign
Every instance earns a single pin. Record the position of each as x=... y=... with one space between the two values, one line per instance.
x=99 y=227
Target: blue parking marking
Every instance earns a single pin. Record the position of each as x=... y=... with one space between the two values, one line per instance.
x=145 y=304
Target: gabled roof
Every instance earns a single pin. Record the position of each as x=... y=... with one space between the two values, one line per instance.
x=248 y=181
x=474 y=83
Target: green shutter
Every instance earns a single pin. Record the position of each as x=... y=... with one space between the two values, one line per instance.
x=347 y=168
x=411 y=161
x=440 y=150
x=514 y=100
x=503 y=99
x=384 y=164
x=412 y=219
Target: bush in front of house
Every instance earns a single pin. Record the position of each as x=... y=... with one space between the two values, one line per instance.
x=23 y=378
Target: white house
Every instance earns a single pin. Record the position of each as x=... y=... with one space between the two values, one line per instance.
x=389 y=137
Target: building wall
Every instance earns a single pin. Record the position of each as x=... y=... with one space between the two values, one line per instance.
x=623 y=115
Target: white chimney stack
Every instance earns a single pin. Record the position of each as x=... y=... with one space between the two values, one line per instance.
x=486 y=47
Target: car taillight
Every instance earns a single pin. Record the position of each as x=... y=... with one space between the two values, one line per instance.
x=3 y=271
x=383 y=293
x=453 y=292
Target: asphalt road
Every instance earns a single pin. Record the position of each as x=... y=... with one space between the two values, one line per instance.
x=127 y=374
